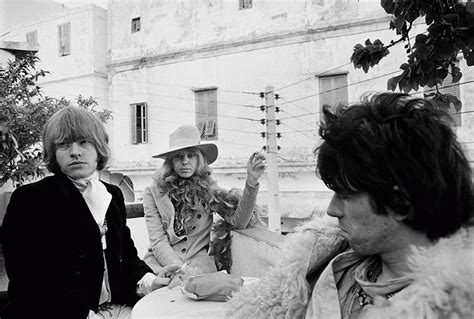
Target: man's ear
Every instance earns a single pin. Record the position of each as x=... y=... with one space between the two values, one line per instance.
x=400 y=200
x=399 y=217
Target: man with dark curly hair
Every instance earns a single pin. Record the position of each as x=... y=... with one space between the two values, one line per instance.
x=403 y=200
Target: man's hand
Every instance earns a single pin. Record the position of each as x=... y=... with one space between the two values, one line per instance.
x=183 y=273
x=255 y=168
x=175 y=281
x=163 y=278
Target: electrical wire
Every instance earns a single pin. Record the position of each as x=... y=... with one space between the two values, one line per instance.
x=317 y=112
x=445 y=86
x=290 y=117
x=179 y=123
x=295 y=130
x=341 y=87
x=299 y=131
x=302 y=121
x=189 y=87
x=330 y=70
x=294 y=142
x=153 y=94
x=184 y=111
x=313 y=76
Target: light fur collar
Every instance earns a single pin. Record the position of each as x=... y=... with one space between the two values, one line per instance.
x=442 y=287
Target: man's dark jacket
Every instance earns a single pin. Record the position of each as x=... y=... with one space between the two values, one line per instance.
x=53 y=252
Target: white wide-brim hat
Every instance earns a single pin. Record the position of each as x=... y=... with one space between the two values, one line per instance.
x=187 y=136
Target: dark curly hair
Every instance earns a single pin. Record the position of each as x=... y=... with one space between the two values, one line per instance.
x=404 y=154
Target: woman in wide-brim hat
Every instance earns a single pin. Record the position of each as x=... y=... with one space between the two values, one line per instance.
x=180 y=203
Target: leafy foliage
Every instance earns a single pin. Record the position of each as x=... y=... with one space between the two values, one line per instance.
x=434 y=53
x=24 y=111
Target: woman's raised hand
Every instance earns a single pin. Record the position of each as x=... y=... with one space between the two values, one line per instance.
x=255 y=168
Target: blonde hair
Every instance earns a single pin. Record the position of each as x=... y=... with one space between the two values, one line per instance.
x=166 y=172
x=71 y=124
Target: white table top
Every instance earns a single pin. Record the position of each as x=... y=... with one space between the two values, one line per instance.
x=172 y=303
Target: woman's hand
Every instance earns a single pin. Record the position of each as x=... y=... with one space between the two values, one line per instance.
x=179 y=275
x=164 y=277
x=188 y=272
x=175 y=281
x=183 y=273
x=255 y=168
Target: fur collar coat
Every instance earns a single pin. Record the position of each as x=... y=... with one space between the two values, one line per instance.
x=442 y=276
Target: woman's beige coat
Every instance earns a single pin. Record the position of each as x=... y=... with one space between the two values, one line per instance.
x=166 y=248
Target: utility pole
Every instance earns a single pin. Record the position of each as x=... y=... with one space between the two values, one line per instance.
x=274 y=223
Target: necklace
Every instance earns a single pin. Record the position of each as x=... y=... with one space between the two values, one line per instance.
x=365 y=299
x=373 y=273
x=103 y=228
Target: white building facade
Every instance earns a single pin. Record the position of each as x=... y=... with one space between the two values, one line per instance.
x=160 y=64
x=72 y=46
x=204 y=63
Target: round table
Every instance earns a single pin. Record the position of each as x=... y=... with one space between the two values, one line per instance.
x=172 y=303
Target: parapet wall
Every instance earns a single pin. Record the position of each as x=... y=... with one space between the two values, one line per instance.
x=254 y=251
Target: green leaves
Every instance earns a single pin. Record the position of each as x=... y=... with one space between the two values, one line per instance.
x=89 y=104
x=23 y=113
x=447 y=102
x=434 y=54
x=456 y=73
x=393 y=82
x=368 y=55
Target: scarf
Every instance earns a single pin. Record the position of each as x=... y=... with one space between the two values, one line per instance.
x=200 y=194
x=98 y=200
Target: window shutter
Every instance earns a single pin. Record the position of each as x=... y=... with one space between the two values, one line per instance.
x=145 y=123
x=201 y=105
x=136 y=25
x=206 y=113
x=201 y=125
x=211 y=124
x=245 y=4
x=326 y=96
x=134 y=123
x=60 y=39
x=333 y=90
x=64 y=36
x=340 y=92
x=212 y=103
x=32 y=37
x=67 y=38
x=210 y=127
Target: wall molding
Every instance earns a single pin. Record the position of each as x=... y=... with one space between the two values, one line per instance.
x=245 y=45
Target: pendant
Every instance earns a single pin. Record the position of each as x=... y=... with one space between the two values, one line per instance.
x=103 y=228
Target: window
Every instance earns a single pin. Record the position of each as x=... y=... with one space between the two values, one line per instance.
x=136 y=25
x=32 y=37
x=333 y=90
x=245 y=4
x=139 y=123
x=64 y=35
x=206 y=113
